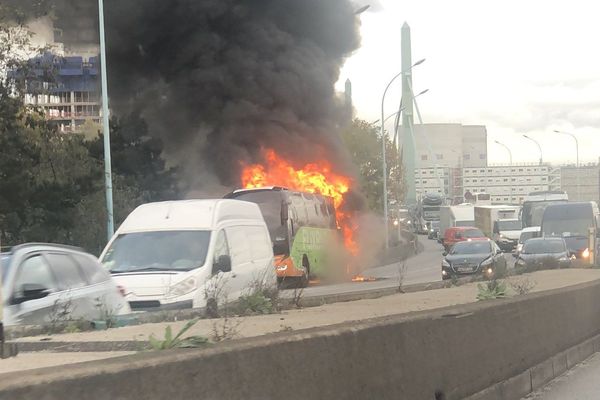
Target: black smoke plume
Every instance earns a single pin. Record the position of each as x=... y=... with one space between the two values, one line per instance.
x=218 y=80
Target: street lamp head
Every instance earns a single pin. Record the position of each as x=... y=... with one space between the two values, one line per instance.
x=421 y=61
x=362 y=9
x=497 y=142
x=555 y=131
x=423 y=92
x=527 y=137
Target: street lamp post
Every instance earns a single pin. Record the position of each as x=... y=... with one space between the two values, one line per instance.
x=511 y=161
x=538 y=145
x=577 y=159
x=110 y=227
x=382 y=131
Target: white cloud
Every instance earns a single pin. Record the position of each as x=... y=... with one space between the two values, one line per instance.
x=517 y=67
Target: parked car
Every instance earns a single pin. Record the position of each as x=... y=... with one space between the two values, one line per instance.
x=461 y=233
x=434 y=230
x=526 y=234
x=165 y=254
x=473 y=257
x=544 y=253
x=41 y=280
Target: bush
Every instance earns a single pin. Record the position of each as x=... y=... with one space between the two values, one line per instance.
x=493 y=289
x=255 y=303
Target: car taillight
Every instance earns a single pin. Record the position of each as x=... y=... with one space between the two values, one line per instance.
x=121 y=290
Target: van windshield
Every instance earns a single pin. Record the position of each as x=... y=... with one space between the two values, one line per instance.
x=157 y=251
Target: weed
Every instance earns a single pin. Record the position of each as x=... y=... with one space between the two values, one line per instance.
x=402 y=268
x=522 y=286
x=261 y=296
x=255 y=303
x=170 y=342
x=215 y=294
x=454 y=280
x=225 y=329
x=106 y=314
x=297 y=296
x=492 y=289
x=60 y=313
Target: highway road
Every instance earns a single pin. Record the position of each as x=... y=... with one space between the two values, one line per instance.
x=422 y=268
x=579 y=383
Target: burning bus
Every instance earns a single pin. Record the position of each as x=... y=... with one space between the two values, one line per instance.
x=303 y=229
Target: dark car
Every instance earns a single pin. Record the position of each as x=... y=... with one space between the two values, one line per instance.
x=473 y=257
x=544 y=253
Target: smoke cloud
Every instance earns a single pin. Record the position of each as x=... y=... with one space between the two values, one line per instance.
x=218 y=80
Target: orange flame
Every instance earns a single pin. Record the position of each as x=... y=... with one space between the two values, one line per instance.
x=312 y=178
x=362 y=278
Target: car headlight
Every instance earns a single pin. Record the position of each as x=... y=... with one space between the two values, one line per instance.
x=586 y=253
x=563 y=258
x=281 y=268
x=519 y=247
x=184 y=287
x=486 y=263
x=445 y=263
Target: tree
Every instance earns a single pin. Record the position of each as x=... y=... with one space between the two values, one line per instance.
x=364 y=144
x=137 y=158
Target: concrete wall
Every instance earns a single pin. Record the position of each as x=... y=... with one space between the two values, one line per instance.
x=458 y=350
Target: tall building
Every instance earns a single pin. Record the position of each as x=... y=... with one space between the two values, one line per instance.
x=72 y=97
x=450 y=145
x=583 y=183
x=511 y=183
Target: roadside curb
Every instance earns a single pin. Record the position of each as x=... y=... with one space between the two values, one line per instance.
x=536 y=377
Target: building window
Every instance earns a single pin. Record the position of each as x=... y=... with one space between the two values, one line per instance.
x=467 y=156
x=424 y=157
x=512 y=179
x=423 y=182
x=506 y=199
x=482 y=156
x=474 y=180
x=520 y=169
x=482 y=171
x=543 y=178
x=466 y=180
x=439 y=156
x=528 y=179
x=489 y=171
x=505 y=179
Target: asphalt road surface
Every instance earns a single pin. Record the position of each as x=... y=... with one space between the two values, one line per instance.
x=423 y=268
x=579 y=383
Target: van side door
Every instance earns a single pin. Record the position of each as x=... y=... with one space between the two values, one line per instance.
x=242 y=266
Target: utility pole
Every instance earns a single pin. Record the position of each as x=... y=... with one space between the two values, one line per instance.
x=408 y=143
x=110 y=225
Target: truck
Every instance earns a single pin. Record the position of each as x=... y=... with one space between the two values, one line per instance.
x=428 y=210
x=536 y=202
x=500 y=223
x=459 y=215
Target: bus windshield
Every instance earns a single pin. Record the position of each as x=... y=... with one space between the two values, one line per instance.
x=270 y=203
x=533 y=211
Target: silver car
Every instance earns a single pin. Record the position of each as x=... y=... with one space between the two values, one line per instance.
x=48 y=283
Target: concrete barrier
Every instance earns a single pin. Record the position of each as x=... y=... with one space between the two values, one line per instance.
x=458 y=351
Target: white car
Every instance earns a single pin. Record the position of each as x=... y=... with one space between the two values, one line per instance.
x=46 y=283
x=165 y=255
x=527 y=233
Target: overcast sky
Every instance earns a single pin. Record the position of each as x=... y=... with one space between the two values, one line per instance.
x=518 y=67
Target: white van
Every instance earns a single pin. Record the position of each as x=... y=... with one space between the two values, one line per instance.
x=164 y=254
